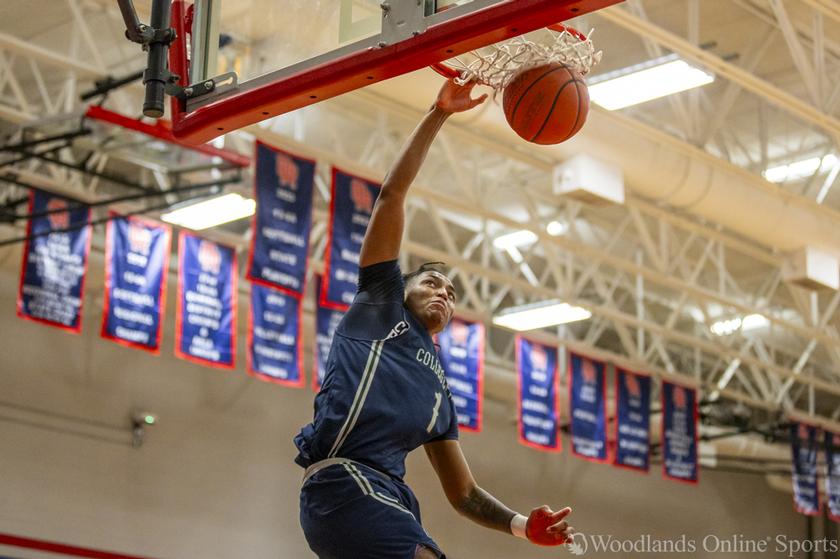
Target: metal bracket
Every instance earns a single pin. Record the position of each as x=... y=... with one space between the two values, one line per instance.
x=199 y=94
x=402 y=19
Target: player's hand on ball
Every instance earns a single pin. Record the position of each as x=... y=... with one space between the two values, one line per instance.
x=546 y=527
x=454 y=98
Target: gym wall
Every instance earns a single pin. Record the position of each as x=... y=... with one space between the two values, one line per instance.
x=215 y=478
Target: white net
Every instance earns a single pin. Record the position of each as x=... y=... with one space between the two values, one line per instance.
x=495 y=65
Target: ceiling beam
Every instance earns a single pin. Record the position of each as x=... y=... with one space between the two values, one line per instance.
x=47 y=56
x=712 y=62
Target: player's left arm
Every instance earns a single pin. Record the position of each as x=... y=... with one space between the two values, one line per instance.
x=542 y=527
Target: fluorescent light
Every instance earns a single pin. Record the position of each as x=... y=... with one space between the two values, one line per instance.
x=799 y=169
x=210 y=213
x=645 y=82
x=732 y=325
x=515 y=239
x=754 y=322
x=726 y=327
x=540 y=315
x=556 y=228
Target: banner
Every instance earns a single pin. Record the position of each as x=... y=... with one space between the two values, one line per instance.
x=52 y=275
x=537 y=402
x=283 y=186
x=462 y=356
x=632 y=420
x=588 y=403
x=275 y=343
x=326 y=321
x=136 y=266
x=804 y=447
x=205 y=330
x=679 y=433
x=832 y=474
x=351 y=206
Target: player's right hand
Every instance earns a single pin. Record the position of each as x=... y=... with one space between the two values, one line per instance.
x=454 y=98
x=545 y=527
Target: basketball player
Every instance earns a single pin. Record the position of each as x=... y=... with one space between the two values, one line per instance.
x=385 y=394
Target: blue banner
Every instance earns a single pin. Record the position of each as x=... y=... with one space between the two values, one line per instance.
x=350 y=210
x=136 y=265
x=537 y=373
x=462 y=356
x=283 y=186
x=679 y=433
x=588 y=403
x=632 y=420
x=804 y=448
x=832 y=474
x=274 y=337
x=206 y=313
x=52 y=276
x=326 y=321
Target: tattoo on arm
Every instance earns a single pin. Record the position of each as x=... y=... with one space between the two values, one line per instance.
x=482 y=508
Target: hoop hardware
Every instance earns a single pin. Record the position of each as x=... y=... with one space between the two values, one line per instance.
x=495 y=65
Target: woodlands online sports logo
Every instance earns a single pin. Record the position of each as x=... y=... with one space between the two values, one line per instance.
x=780 y=545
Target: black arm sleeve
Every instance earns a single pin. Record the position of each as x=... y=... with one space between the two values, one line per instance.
x=378 y=305
x=380 y=283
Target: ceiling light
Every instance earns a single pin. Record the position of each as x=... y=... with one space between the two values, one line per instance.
x=726 y=327
x=754 y=322
x=515 y=239
x=732 y=325
x=210 y=213
x=799 y=169
x=540 y=315
x=647 y=81
x=556 y=228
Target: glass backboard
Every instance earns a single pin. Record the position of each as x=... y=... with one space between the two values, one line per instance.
x=262 y=58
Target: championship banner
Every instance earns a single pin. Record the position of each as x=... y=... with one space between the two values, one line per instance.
x=351 y=206
x=679 y=433
x=205 y=330
x=275 y=343
x=804 y=447
x=832 y=475
x=632 y=420
x=588 y=403
x=537 y=402
x=326 y=321
x=52 y=275
x=283 y=186
x=136 y=266
x=462 y=357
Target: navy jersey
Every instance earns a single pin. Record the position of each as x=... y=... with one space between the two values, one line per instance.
x=384 y=392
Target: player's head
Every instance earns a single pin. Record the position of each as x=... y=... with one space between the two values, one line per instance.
x=430 y=296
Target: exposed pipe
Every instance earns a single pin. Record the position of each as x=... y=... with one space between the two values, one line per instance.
x=663 y=168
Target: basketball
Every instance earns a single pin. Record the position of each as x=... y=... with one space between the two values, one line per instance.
x=546 y=104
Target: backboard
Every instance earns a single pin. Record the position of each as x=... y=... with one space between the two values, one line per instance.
x=249 y=60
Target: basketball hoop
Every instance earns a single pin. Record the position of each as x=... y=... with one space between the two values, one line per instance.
x=495 y=65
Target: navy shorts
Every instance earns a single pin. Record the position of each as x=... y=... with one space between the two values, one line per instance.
x=351 y=511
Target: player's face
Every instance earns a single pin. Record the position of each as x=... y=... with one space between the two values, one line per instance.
x=431 y=298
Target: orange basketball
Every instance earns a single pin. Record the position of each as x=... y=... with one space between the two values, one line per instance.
x=546 y=104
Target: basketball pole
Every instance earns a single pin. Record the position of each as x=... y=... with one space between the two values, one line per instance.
x=155 y=39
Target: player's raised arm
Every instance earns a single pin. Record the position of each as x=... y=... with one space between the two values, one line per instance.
x=541 y=527
x=384 y=233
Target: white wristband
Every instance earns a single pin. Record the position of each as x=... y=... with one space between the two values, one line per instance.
x=517 y=526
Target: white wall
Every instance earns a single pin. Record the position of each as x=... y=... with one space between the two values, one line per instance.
x=215 y=477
